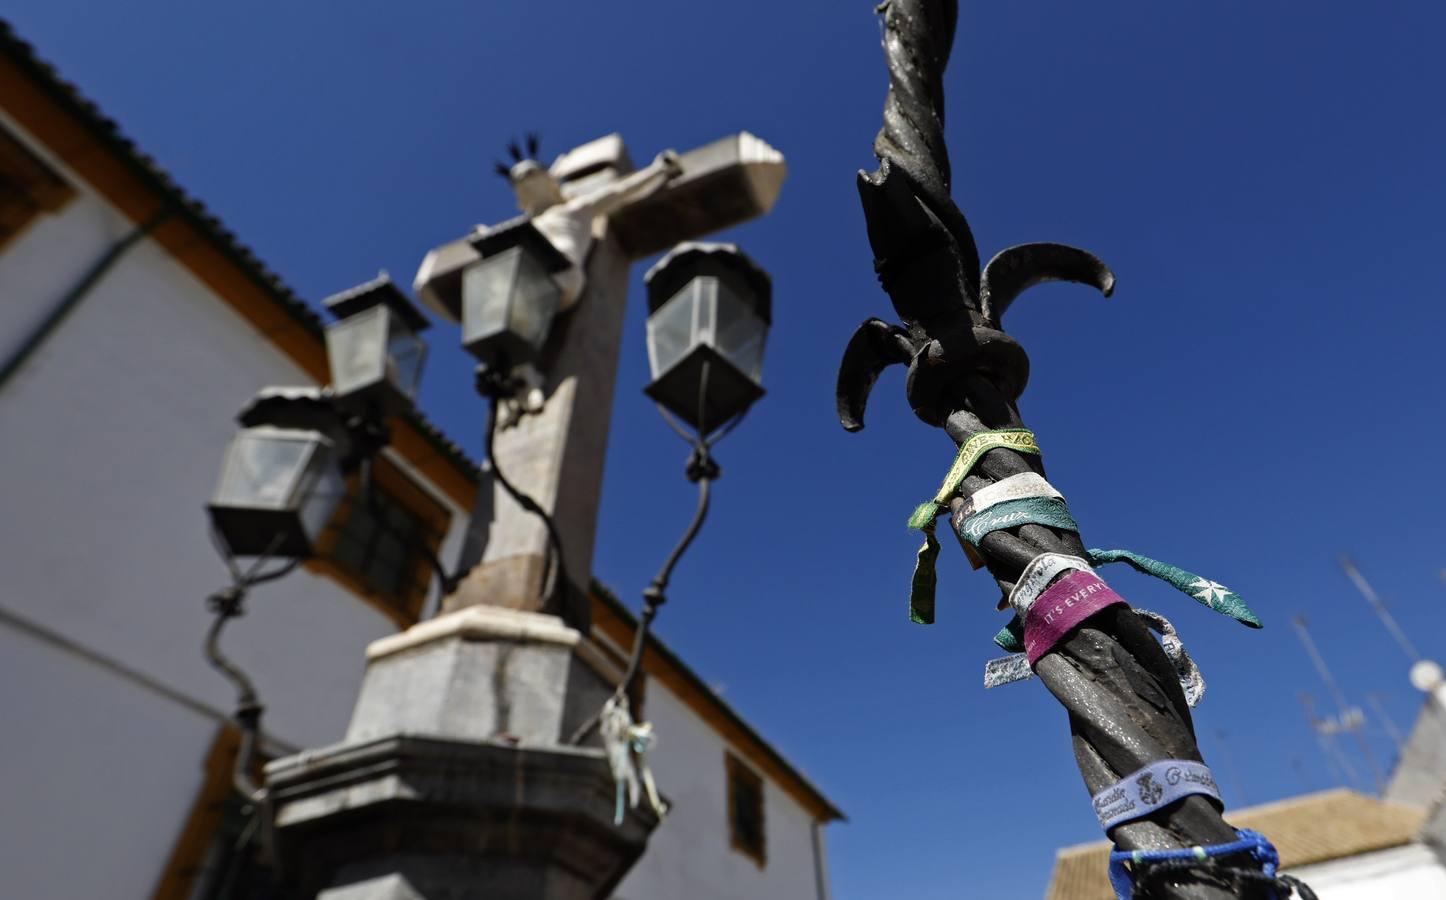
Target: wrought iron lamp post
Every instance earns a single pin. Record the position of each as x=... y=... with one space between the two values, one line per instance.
x=709 y=307
x=283 y=475
x=1127 y=710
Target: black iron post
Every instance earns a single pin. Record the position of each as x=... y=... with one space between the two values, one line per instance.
x=1126 y=707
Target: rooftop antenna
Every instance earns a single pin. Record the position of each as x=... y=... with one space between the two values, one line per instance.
x=1349 y=718
x=1379 y=708
x=1379 y=608
x=1325 y=735
x=1426 y=675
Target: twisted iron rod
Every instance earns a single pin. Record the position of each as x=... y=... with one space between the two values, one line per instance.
x=1126 y=709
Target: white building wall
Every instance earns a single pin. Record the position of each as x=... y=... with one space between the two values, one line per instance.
x=690 y=855
x=96 y=774
x=112 y=436
x=1411 y=872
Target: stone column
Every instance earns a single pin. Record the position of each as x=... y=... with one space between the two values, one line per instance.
x=454 y=780
x=555 y=456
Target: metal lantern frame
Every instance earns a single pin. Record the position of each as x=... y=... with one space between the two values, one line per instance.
x=709 y=312
x=277 y=490
x=281 y=512
x=509 y=298
x=374 y=349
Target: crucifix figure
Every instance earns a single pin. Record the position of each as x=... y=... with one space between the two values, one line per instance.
x=1127 y=695
x=600 y=215
x=568 y=224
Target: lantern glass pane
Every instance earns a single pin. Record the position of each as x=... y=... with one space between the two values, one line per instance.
x=508 y=301
x=322 y=494
x=264 y=468
x=739 y=332
x=486 y=291
x=672 y=328
x=406 y=352
x=535 y=299
x=356 y=348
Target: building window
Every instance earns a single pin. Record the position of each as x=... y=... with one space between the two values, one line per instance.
x=745 y=810
x=27 y=188
x=381 y=548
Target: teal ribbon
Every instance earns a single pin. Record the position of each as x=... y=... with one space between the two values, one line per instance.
x=1209 y=593
x=1013 y=513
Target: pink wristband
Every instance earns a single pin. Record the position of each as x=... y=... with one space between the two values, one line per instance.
x=1062 y=606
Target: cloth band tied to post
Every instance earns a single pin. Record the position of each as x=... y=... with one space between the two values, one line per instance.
x=970 y=452
x=1209 y=593
x=1015 y=487
x=1159 y=784
x=1018 y=666
x=922 y=585
x=1262 y=852
x=1036 y=576
x=1067 y=603
x=1028 y=499
x=1013 y=513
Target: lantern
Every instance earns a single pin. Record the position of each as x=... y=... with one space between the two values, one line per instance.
x=374 y=349
x=280 y=478
x=709 y=308
x=509 y=297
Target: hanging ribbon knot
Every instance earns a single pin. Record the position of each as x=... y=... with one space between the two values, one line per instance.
x=627 y=744
x=925 y=580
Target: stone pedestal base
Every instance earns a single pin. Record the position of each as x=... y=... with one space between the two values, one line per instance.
x=453 y=782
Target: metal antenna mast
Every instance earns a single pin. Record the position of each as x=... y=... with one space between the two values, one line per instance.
x=1350 y=717
x=1379 y=608
x=1325 y=735
x=1379 y=708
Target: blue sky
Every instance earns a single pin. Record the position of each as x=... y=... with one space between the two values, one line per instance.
x=1262 y=392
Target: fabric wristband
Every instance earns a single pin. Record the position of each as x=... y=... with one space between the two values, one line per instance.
x=1037 y=576
x=1210 y=593
x=1013 y=513
x=970 y=452
x=1016 y=666
x=1253 y=842
x=1015 y=487
x=1062 y=606
x=924 y=582
x=958 y=513
x=1159 y=784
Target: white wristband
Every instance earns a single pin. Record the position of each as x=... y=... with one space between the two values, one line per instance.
x=1037 y=576
x=1015 y=487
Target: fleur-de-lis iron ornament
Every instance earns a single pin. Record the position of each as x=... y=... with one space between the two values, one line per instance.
x=965 y=375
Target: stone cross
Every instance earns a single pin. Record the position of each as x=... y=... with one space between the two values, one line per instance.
x=556 y=455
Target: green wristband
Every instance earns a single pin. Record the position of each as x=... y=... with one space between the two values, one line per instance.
x=970 y=452
x=1013 y=513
